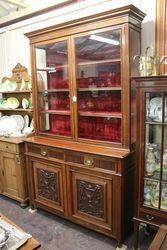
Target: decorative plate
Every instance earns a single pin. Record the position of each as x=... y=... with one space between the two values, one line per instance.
x=12 y=103
x=156 y=108
x=25 y=103
x=12 y=86
x=155 y=199
x=8 y=86
x=5 y=85
x=19 y=120
x=1 y=103
x=26 y=121
x=23 y=85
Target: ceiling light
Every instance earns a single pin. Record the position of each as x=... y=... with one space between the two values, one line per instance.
x=104 y=40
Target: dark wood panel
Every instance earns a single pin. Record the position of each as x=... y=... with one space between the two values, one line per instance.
x=90 y=197
x=48 y=184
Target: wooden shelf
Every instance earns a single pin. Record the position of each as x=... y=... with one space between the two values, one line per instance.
x=114 y=61
x=20 y=110
x=50 y=69
x=155 y=123
x=100 y=89
x=151 y=178
x=54 y=90
x=154 y=179
x=100 y=114
x=56 y=112
x=16 y=92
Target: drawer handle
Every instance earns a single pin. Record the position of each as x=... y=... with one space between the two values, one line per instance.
x=7 y=147
x=88 y=162
x=149 y=217
x=44 y=153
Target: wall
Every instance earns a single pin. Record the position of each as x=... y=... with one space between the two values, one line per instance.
x=14 y=46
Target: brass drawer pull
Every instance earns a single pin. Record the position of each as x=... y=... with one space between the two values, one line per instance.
x=149 y=217
x=88 y=162
x=44 y=153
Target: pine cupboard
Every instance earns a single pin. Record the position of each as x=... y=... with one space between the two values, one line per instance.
x=13 y=181
x=81 y=161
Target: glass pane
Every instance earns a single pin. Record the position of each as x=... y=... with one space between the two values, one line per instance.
x=164 y=196
x=52 y=66
x=164 y=172
x=53 y=88
x=98 y=60
x=54 y=101
x=151 y=193
x=153 y=150
x=55 y=124
x=154 y=107
x=95 y=128
x=133 y=115
x=165 y=108
x=99 y=86
x=99 y=101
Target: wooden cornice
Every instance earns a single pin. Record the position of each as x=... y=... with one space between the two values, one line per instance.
x=129 y=10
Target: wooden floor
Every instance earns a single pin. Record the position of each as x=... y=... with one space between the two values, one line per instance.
x=55 y=233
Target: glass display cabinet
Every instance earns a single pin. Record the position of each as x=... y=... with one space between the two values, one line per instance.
x=151 y=204
x=96 y=87
x=84 y=137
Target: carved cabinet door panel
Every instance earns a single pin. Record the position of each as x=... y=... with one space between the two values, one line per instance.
x=90 y=197
x=48 y=181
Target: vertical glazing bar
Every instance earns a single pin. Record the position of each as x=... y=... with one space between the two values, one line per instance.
x=162 y=149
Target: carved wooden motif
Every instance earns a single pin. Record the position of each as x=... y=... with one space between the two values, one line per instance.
x=90 y=198
x=48 y=186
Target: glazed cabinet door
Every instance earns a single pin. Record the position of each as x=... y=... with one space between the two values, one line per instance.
x=9 y=172
x=90 y=197
x=98 y=81
x=53 y=84
x=153 y=154
x=48 y=185
x=155 y=167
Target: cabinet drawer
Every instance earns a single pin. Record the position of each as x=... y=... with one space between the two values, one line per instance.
x=153 y=217
x=48 y=152
x=8 y=147
x=91 y=160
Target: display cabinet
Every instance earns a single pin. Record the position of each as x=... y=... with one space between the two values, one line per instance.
x=94 y=93
x=83 y=119
x=151 y=172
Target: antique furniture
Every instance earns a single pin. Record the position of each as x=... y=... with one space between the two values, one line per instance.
x=30 y=244
x=80 y=163
x=13 y=181
x=12 y=159
x=151 y=171
x=160 y=240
